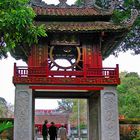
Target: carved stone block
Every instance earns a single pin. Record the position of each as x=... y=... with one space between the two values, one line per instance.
x=23 y=115
x=109 y=115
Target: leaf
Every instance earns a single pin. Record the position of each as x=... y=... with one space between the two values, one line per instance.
x=5 y=125
x=17 y=25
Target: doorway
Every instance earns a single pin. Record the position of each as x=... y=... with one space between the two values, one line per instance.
x=70 y=112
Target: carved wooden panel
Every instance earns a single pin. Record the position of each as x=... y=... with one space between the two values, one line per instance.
x=65 y=81
x=93 y=58
x=39 y=56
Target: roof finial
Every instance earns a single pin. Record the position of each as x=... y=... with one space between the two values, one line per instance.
x=62 y=3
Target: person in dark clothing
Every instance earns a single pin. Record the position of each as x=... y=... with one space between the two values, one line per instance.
x=45 y=130
x=53 y=131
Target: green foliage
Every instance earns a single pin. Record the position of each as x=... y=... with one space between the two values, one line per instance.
x=5 y=125
x=17 y=24
x=123 y=11
x=71 y=105
x=129 y=95
x=79 y=2
x=65 y=105
x=130 y=134
x=137 y=136
x=131 y=41
x=82 y=126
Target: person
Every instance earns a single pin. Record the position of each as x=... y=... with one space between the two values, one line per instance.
x=36 y=133
x=62 y=133
x=53 y=131
x=45 y=130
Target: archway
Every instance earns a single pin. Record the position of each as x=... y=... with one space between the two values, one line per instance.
x=101 y=107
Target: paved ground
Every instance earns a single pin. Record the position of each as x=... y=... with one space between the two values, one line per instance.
x=69 y=139
x=39 y=137
x=58 y=139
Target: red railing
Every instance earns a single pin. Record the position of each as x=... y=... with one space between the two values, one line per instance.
x=98 y=73
x=106 y=72
x=24 y=71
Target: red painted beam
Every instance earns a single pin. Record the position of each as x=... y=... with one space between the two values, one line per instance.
x=66 y=88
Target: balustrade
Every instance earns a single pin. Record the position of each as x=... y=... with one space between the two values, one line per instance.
x=100 y=74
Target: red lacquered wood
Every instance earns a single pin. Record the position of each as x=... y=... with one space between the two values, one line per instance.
x=93 y=76
x=65 y=88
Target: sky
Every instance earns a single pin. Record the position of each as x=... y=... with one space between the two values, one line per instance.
x=126 y=61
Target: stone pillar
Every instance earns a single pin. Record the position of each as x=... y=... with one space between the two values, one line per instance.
x=23 y=117
x=93 y=117
x=109 y=129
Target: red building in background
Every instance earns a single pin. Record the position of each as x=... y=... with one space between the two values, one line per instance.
x=55 y=116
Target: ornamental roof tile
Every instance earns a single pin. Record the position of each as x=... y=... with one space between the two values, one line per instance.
x=70 y=11
x=81 y=26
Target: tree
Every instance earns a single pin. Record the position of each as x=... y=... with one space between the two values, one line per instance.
x=65 y=105
x=82 y=112
x=6 y=110
x=129 y=95
x=71 y=106
x=3 y=107
x=123 y=11
x=131 y=41
x=17 y=28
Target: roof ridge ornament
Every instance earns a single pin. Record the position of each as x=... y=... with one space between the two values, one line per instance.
x=134 y=15
x=62 y=4
x=112 y=4
x=89 y=3
x=38 y=3
x=110 y=9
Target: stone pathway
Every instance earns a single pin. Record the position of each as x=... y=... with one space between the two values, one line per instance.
x=58 y=139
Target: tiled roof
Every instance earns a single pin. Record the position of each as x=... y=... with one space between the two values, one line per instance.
x=71 y=11
x=81 y=26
